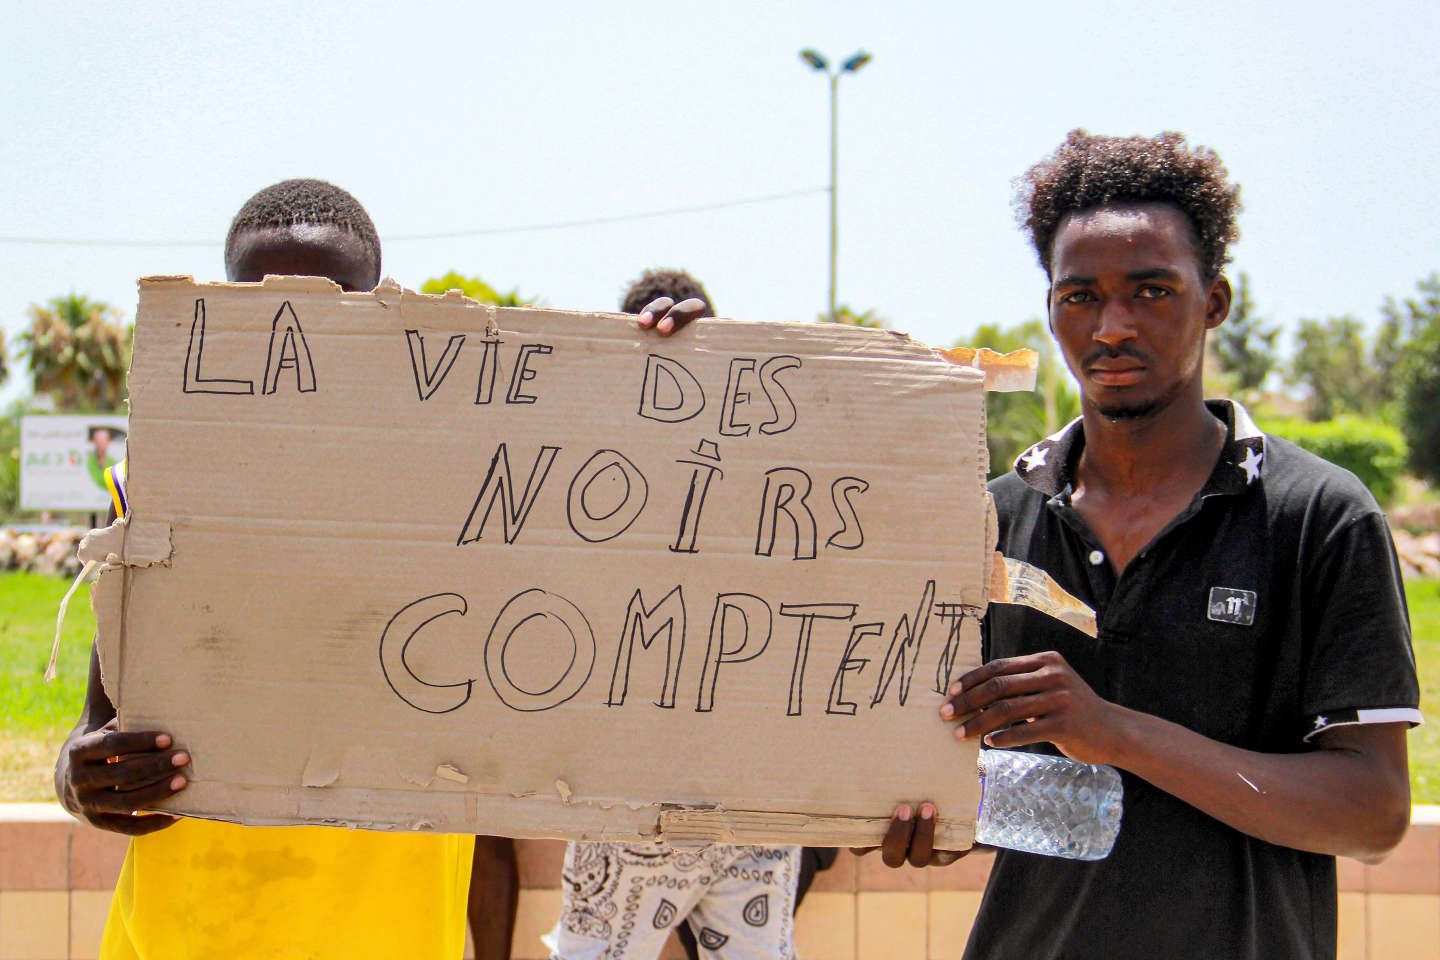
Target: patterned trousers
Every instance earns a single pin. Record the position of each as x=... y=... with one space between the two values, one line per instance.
x=620 y=901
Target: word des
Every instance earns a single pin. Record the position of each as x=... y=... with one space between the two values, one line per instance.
x=754 y=397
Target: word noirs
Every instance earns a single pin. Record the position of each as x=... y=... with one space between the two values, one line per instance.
x=741 y=628
x=669 y=393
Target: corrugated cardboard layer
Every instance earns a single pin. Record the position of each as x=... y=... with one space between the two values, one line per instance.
x=321 y=596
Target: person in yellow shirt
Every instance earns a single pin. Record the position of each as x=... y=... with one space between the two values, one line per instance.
x=202 y=889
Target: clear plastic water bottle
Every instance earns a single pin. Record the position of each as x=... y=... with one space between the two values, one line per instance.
x=1049 y=805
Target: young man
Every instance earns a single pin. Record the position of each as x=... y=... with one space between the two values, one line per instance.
x=201 y=889
x=621 y=900
x=1252 y=677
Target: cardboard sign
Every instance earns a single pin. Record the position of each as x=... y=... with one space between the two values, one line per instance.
x=409 y=562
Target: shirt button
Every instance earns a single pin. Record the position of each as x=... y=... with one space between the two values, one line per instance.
x=1096 y=558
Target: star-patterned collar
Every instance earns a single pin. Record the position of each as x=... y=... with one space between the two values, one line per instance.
x=1046 y=465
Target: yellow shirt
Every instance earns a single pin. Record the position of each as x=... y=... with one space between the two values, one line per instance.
x=207 y=890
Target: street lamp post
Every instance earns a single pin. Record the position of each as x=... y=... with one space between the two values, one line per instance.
x=818 y=62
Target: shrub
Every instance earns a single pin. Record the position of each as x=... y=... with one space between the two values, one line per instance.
x=1372 y=450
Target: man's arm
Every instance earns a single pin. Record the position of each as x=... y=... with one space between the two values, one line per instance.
x=1349 y=797
x=103 y=775
x=494 y=897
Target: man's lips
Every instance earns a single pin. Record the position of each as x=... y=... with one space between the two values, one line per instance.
x=1116 y=375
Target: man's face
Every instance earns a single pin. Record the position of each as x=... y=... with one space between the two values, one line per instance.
x=1129 y=306
x=101 y=441
x=304 y=251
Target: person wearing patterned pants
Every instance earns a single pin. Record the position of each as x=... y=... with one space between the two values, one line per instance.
x=620 y=901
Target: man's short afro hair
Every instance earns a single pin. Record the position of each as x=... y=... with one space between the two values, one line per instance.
x=675 y=284
x=1088 y=171
x=309 y=202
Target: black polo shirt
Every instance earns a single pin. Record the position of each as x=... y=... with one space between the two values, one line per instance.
x=1268 y=611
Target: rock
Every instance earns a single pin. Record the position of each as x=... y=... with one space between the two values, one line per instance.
x=59 y=555
x=27 y=548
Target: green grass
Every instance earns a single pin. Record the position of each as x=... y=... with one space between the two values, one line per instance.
x=1424 y=596
x=35 y=716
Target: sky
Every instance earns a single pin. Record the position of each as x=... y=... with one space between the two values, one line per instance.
x=151 y=124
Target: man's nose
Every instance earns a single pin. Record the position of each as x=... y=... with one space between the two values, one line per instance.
x=1117 y=324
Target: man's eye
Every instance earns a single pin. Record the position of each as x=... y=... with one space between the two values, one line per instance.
x=1078 y=296
x=1153 y=293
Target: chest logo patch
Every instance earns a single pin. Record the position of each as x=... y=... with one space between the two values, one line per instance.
x=1228 y=605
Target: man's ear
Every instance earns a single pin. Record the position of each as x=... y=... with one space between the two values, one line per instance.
x=1217 y=302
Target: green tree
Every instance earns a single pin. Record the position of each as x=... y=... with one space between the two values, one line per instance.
x=844 y=314
x=1244 y=345
x=77 y=351
x=1331 y=363
x=1017 y=420
x=475 y=289
x=1388 y=352
x=1418 y=375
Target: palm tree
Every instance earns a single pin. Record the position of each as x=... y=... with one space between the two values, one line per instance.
x=78 y=351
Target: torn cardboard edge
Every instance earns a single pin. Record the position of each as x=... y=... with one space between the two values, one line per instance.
x=128 y=542
x=693 y=827
x=125 y=544
x=443 y=807
x=1023 y=584
x=1004 y=372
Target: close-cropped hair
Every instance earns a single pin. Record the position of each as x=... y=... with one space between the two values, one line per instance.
x=1088 y=171
x=303 y=202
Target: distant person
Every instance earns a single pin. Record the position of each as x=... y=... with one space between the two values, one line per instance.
x=102 y=454
x=193 y=889
x=667 y=299
x=622 y=900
